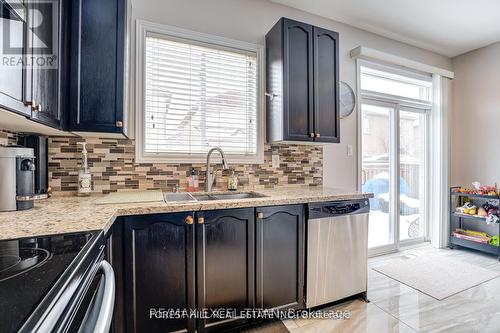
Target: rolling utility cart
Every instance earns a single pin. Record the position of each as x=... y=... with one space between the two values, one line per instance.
x=473 y=222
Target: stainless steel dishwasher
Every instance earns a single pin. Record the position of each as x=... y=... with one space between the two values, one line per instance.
x=337 y=251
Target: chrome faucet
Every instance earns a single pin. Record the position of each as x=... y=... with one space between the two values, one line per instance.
x=210 y=176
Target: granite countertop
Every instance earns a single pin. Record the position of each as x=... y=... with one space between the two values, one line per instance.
x=75 y=214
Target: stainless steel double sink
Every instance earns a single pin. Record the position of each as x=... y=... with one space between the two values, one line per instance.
x=193 y=197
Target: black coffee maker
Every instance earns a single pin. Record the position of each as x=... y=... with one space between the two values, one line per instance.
x=39 y=144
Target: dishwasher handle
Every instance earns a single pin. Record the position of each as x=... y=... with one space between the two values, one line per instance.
x=100 y=313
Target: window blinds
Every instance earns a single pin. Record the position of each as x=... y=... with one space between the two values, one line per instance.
x=198 y=96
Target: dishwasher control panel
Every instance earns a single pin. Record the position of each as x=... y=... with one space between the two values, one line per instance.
x=337 y=208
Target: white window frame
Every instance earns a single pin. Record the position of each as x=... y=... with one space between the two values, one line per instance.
x=143 y=28
x=411 y=102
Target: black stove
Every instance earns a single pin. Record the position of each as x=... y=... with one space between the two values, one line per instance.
x=16 y=261
x=34 y=271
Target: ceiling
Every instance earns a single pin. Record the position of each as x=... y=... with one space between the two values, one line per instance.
x=447 y=27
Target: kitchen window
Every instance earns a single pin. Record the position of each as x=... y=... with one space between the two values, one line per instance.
x=196 y=92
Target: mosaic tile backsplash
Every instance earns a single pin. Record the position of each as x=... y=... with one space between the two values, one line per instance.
x=7 y=138
x=113 y=168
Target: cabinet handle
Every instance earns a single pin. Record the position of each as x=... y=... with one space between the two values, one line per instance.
x=189 y=220
x=201 y=220
x=119 y=124
x=271 y=95
x=260 y=215
x=312 y=135
x=317 y=135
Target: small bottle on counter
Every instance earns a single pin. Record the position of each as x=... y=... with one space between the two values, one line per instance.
x=232 y=182
x=196 y=181
x=190 y=181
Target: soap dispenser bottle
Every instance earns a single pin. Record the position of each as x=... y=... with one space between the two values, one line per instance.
x=232 y=183
x=196 y=181
x=84 y=176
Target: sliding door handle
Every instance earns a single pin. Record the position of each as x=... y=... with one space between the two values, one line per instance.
x=271 y=95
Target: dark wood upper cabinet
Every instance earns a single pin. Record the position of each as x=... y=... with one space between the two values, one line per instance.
x=81 y=84
x=225 y=262
x=280 y=257
x=302 y=83
x=46 y=92
x=297 y=81
x=159 y=270
x=13 y=75
x=326 y=83
x=37 y=89
x=98 y=66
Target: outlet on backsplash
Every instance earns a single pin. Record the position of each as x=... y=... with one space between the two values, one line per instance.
x=276 y=161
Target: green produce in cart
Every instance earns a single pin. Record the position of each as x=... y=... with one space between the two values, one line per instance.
x=495 y=240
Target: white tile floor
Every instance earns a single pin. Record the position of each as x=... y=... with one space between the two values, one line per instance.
x=395 y=307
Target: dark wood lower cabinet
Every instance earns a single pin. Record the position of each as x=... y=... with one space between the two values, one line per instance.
x=280 y=257
x=225 y=262
x=211 y=260
x=159 y=271
x=114 y=255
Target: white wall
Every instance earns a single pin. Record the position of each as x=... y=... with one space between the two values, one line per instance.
x=475 y=120
x=250 y=20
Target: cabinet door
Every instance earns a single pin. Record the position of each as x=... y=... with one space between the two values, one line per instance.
x=297 y=81
x=280 y=257
x=225 y=262
x=159 y=270
x=12 y=73
x=97 y=71
x=44 y=85
x=326 y=83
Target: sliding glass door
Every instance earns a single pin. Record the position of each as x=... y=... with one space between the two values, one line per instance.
x=394 y=109
x=393 y=167
x=378 y=171
x=412 y=173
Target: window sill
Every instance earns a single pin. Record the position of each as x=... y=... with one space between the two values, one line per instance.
x=199 y=159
